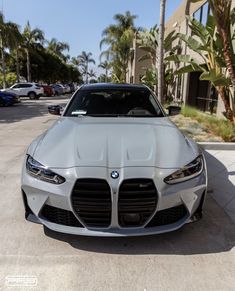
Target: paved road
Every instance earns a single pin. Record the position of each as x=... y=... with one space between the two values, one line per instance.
x=201 y=256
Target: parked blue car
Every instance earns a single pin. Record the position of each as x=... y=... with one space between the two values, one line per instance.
x=8 y=99
x=59 y=90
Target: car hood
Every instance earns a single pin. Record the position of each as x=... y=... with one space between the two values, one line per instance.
x=113 y=143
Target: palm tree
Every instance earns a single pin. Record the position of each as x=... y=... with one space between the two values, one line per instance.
x=161 y=50
x=148 y=41
x=8 y=35
x=16 y=46
x=105 y=65
x=31 y=37
x=119 y=39
x=84 y=60
x=58 y=47
x=92 y=73
x=74 y=61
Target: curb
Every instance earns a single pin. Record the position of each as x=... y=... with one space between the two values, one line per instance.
x=220 y=146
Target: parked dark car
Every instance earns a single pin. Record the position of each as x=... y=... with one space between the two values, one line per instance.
x=48 y=90
x=8 y=99
x=72 y=87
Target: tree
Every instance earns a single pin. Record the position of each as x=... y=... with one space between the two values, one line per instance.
x=118 y=38
x=49 y=68
x=148 y=41
x=92 y=74
x=15 y=47
x=161 y=50
x=58 y=48
x=32 y=37
x=105 y=65
x=8 y=35
x=84 y=60
x=207 y=43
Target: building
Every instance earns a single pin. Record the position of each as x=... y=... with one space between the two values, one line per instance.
x=189 y=89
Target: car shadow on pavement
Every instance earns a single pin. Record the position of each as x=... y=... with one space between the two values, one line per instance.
x=28 y=109
x=215 y=233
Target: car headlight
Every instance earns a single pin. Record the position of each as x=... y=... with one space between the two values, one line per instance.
x=38 y=171
x=188 y=172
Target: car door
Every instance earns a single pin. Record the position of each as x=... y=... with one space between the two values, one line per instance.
x=25 y=89
x=15 y=89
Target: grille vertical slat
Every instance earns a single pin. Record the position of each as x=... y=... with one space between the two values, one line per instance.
x=137 y=201
x=91 y=200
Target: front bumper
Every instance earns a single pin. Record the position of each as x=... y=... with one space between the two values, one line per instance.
x=37 y=194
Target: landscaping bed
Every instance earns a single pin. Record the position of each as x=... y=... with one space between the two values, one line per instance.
x=204 y=128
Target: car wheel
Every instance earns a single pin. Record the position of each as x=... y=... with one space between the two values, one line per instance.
x=32 y=95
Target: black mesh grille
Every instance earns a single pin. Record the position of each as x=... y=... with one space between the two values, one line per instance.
x=168 y=216
x=137 y=201
x=91 y=200
x=59 y=216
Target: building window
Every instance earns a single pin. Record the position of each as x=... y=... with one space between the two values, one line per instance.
x=205 y=13
x=202 y=13
x=197 y=15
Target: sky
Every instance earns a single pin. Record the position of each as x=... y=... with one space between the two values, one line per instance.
x=80 y=22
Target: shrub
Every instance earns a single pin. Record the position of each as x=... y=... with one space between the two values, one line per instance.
x=10 y=78
x=220 y=127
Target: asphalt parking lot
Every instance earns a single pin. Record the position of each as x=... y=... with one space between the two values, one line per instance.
x=200 y=256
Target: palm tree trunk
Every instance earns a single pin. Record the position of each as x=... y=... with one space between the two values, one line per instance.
x=106 y=75
x=3 y=65
x=86 y=72
x=161 y=50
x=124 y=74
x=225 y=99
x=4 y=81
x=228 y=54
x=28 y=66
x=17 y=66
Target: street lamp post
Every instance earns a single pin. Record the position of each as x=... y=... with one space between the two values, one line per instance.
x=161 y=50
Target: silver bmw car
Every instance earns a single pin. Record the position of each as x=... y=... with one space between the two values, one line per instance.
x=113 y=165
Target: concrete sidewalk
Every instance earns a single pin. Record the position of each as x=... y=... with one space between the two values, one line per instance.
x=221 y=175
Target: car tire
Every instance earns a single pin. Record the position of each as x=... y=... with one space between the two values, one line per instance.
x=32 y=95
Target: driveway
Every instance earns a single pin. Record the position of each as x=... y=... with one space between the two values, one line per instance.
x=200 y=256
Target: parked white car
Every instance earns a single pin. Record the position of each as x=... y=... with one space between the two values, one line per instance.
x=32 y=90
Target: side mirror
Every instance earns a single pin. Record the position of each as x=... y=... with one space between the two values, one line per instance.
x=55 y=109
x=173 y=110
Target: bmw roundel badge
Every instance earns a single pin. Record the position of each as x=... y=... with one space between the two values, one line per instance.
x=114 y=174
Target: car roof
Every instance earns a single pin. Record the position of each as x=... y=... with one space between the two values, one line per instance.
x=110 y=86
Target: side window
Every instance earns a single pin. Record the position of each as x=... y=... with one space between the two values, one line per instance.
x=15 y=86
x=25 y=86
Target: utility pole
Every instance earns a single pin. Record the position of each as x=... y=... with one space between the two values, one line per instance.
x=161 y=50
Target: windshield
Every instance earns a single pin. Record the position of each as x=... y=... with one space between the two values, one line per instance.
x=109 y=103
